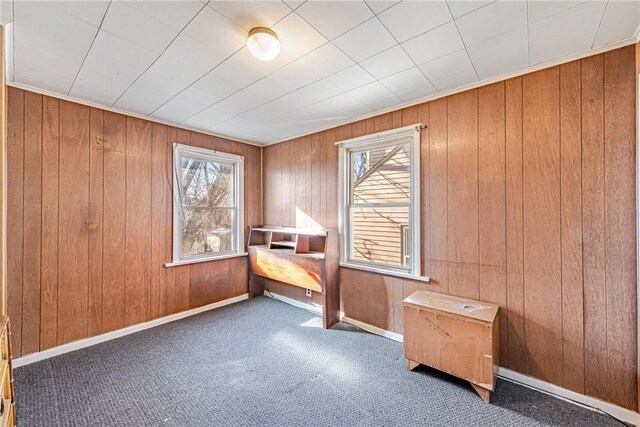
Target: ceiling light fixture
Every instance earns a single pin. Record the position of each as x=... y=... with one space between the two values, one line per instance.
x=263 y=43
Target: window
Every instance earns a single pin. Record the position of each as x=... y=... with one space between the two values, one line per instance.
x=380 y=205
x=207 y=214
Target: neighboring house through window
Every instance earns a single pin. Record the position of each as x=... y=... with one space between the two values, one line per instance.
x=207 y=211
x=380 y=201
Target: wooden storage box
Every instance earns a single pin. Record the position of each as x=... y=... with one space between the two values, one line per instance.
x=455 y=335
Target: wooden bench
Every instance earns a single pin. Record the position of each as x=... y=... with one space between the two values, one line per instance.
x=455 y=335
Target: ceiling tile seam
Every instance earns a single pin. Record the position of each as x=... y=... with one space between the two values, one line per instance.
x=342 y=33
x=356 y=63
x=383 y=10
x=595 y=36
x=160 y=55
x=405 y=52
x=218 y=65
x=86 y=55
x=465 y=47
x=471 y=11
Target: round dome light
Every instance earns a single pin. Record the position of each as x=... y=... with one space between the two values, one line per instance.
x=263 y=43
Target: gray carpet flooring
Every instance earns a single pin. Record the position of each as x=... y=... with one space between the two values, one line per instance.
x=264 y=363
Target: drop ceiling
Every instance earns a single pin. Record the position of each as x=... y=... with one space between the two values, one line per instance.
x=186 y=62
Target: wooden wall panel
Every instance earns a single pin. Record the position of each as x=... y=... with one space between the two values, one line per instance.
x=571 y=227
x=541 y=195
x=620 y=219
x=491 y=201
x=515 y=356
x=49 y=269
x=593 y=227
x=528 y=201
x=32 y=202
x=90 y=222
x=462 y=194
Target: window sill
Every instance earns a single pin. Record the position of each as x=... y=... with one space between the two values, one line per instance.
x=385 y=272
x=199 y=260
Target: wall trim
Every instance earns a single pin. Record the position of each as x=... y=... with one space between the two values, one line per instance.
x=295 y=302
x=588 y=402
x=88 y=342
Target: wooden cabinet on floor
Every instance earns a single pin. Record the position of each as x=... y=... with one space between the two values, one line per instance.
x=307 y=258
x=455 y=335
x=7 y=412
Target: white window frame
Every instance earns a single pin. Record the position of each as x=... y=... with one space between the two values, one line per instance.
x=181 y=150
x=407 y=134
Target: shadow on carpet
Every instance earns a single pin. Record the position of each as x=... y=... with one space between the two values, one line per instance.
x=262 y=362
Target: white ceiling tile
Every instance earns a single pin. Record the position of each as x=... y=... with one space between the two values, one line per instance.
x=462 y=7
x=451 y=71
x=323 y=17
x=250 y=14
x=326 y=60
x=540 y=9
x=285 y=80
x=49 y=45
x=302 y=97
x=294 y=4
x=434 y=44
x=406 y=80
x=370 y=92
x=365 y=40
x=258 y=116
x=416 y=93
x=384 y=103
x=408 y=19
x=497 y=18
x=500 y=55
x=239 y=103
x=176 y=14
x=110 y=67
x=378 y=6
x=164 y=79
x=194 y=94
x=138 y=28
x=207 y=118
x=177 y=110
x=621 y=21
x=297 y=38
x=90 y=12
x=350 y=78
x=387 y=63
x=567 y=32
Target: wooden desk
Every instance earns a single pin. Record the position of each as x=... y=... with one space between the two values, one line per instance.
x=307 y=258
x=455 y=335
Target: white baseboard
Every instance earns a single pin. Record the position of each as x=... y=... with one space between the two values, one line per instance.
x=588 y=402
x=296 y=303
x=87 y=342
x=373 y=329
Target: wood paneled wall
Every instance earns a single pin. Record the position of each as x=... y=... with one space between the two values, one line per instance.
x=89 y=222
x=528 y=201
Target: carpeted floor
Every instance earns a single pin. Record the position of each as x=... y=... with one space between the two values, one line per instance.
x=263 y=362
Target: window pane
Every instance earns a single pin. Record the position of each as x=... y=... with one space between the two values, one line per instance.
x=207 y=231
x=206 y=183
x=379 y=235
x=381 y=175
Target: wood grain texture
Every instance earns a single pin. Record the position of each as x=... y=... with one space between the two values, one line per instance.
x=49 y=268
x=515 y=357
x=524 y=168
x=593 y=226
x=620 y=220
x=32 y=217
x=571 y=227
x=462 y=194
x=73 y=239
x=90 y=217
x=541 y=196
x=492 y=254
